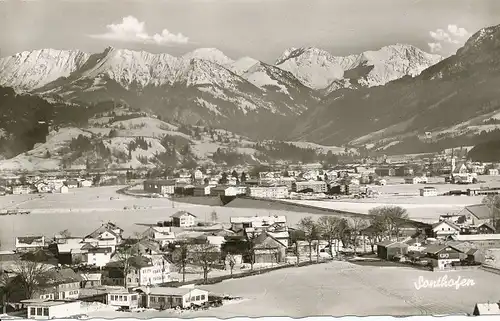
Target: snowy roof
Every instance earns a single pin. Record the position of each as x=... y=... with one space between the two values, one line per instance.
x=168 y=291
x=477 y=237
x=481 y=211
x=487 y=309
x=182 y=213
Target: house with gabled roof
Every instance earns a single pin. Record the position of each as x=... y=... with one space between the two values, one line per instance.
x=107 y=235
x=183 y=219
x=445 y=229
x=490 y=308
x=268 y=249
x=143 y=270
x=443 y=256
x=162 y=235
x=388 y=249
x=96 y=256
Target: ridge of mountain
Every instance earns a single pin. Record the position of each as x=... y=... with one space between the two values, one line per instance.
x=448 y=104
x=320 y=70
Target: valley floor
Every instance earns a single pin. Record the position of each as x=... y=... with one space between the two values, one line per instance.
x=84 y=209
x=341 y=288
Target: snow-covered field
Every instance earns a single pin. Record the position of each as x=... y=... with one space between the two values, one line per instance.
x=425 y=209
x=82 y=210
x=341 y=288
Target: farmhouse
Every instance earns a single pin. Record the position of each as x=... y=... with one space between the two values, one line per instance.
x=162 y=235
x=160 y=186
x=165 y=298
x=183 y=219
x=442 y=256
x=268 y=249
x=445 y=229
x=270 y=191
x=493 y=171
x=387 y=250
x=21 y=189
x=47 y=310
x=476 y=214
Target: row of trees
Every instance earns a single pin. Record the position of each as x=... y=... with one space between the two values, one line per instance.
x=383 y=222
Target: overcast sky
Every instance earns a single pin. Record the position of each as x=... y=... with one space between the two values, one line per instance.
x=261 y=29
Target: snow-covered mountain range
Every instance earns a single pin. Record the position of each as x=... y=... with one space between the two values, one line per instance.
x=319 y=69
x=205 y=86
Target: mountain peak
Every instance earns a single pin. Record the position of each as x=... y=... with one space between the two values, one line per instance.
x=210 y=54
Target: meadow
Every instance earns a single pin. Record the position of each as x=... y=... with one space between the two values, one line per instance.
x=342 y=288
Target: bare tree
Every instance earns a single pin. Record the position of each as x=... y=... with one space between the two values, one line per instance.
x=180 y=257
x=65 y=233
x=392 y=216
x=493 y=203
x=231 y=260
x=206 y=255
x=356 y=224
x=29 y=276
x=213 y=216
x=310 y=229
x=378 y=229
x=251 y=237
x=6 y=288
x=124 y=255
x=328 y=226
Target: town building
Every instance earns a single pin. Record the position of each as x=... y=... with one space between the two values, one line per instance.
x=183 y=219
x=224 y=191
x=202 y=190
x=404 y=171
x=163 y=187
x=148 y=270
x=21 y=189
x=96 y=256
x=270 y=191
x=313 y=186
x=493 y=171
x=428 y=191
x=53 y=309
x=29 y=243
x=166 y=298
x=72 y=183
x=62 y=284
x=416 y=180
x=385 y=172
x=387 y=250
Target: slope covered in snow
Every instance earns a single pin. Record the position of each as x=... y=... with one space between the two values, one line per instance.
x=319 y=69
x=32 y=69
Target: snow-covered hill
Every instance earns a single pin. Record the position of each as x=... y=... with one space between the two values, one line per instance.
x=318 y=69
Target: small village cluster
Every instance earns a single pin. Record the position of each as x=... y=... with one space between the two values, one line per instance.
x=139 y=271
